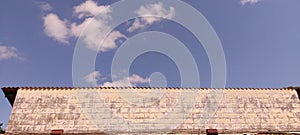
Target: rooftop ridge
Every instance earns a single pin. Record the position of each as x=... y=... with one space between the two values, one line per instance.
x=121 y=87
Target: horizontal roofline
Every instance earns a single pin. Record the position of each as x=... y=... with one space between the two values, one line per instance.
x=11 y=92
x=228 y=88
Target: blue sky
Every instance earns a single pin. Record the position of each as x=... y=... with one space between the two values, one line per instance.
x=260 y=41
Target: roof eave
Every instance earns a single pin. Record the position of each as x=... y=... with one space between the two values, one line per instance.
x=10 y=93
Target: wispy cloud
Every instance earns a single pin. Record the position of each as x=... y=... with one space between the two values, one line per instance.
x=149 y=14
x=252 y=2
x=56 y=28
x=133 y=80
x=45 y=6
x=130 y=81
x=93 y=77
x=7 y=52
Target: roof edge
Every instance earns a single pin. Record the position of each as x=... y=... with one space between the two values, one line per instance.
x=241 y=88
x=10 y=93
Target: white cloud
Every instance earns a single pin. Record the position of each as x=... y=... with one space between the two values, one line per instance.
x=93 y=77
x=243 y=2
x=130 y=81
x=76 y=29
x=56 y=28
x=149 y=14
x=95 y=29
x=90 y=8
x=95 y=34
x=45 y=6
x=92 y=30
x=7 y=52
x=137 y=79
x=110 y=41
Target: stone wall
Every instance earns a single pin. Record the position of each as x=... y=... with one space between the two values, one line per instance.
x=155 y=110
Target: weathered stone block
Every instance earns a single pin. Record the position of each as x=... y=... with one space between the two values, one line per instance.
x=79 y=110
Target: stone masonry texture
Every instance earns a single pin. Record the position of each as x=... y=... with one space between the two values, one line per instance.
x=153 y=110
